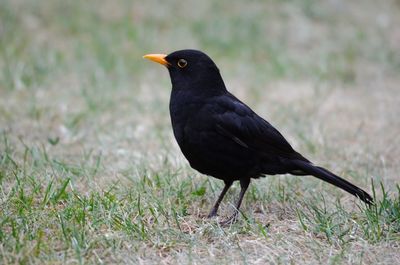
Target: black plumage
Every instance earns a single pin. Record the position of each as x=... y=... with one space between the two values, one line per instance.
x=222 y=137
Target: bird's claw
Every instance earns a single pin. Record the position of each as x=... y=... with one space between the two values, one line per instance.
x=231 y=220
x=212 y=214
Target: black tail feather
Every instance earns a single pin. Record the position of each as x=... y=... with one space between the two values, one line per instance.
x=333 y=179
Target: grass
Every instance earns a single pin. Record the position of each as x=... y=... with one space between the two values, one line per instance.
x=53 y=220
x=89 y=169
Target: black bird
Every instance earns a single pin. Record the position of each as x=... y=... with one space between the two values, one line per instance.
x=222 y=137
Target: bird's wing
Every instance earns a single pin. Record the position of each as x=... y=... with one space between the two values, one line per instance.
x=238 y=122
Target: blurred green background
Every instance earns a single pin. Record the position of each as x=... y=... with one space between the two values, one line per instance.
x=73 y=57
x=280 y=39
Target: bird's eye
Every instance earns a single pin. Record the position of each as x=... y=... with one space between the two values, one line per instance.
x=182 y=63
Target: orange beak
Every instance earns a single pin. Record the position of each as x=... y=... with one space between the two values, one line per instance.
x=158 y=58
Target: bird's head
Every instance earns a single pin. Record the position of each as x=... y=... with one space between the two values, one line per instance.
x=190 y=69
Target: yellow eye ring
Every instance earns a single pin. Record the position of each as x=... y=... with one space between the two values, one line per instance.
x=182 y=63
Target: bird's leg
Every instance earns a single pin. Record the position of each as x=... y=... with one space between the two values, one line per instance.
x=244 y=184
x=214 y=209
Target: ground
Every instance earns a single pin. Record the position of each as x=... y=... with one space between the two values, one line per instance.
x=90 y=171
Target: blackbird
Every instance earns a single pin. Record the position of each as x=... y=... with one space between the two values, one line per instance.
x=222 y=137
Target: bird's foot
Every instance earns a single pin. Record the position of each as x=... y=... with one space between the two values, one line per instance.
x=213 y=213
x=231 y=220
